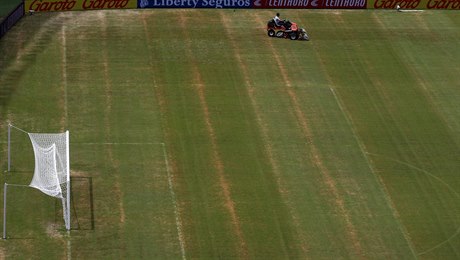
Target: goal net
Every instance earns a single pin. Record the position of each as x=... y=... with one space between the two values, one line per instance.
x=52 y=168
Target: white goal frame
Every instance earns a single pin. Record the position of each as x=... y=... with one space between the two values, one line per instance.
x=65 y=197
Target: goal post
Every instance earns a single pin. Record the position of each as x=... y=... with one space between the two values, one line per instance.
x=52 y=168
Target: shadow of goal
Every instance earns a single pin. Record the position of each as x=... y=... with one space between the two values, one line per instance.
x=82 y=204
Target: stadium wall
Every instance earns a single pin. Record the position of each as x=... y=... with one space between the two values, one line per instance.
x=12 y=18
x=75 y=5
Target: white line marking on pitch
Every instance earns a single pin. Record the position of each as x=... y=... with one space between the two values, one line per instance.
x=174 y=201
x=371 y=168
x=170 y=185
x=64 y=72
x=69 y=246
x=457 y=232
x=117 y=143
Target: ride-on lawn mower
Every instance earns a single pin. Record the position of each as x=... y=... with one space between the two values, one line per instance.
x=286 y=29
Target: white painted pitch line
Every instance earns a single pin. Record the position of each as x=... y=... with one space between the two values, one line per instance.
x=168 y=171
x=69 y=246
x=117 y=143
x=457 y=232
x=170 y=185
x=64 y=72
x=174 y=202
x=372 y=169
x=409 y=11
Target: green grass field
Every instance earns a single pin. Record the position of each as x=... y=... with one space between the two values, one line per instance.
x=196 y=136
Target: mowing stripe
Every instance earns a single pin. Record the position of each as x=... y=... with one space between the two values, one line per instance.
x=362 y=147
x=316 y=160
x=216 y=157
x=31 y=48
x=107 y=112
x=407 y=61
x=250 y=89
x=381 y=185
x=424 y=90
x=180 y=234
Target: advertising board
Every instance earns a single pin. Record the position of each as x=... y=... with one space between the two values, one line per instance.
x=414 y=4
x=233 y=4
x=262 y=4
x=311 y=4
x=76 y=5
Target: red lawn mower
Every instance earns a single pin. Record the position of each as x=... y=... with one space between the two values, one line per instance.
x=286 y=29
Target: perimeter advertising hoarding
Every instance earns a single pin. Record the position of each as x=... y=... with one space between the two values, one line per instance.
x=414 y=4
x=232 y=4
x=75 y=5
x=311 y=4
x=265 y=4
